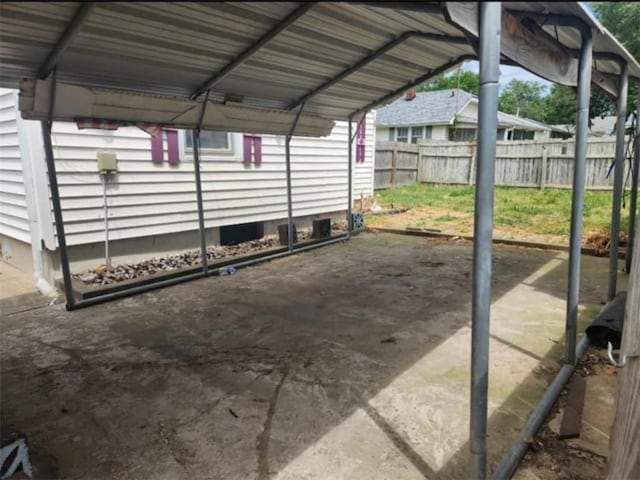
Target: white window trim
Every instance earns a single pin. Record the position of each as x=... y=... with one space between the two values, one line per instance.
x=233 y=154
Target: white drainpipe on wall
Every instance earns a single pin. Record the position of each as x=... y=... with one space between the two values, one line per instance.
x=35 y=232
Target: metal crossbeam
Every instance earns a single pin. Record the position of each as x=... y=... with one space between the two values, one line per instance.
x=261 y=42
x=423 y=78
x=373 y=56
x=65 y=39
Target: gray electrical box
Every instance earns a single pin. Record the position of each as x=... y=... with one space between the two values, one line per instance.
x=107 y=162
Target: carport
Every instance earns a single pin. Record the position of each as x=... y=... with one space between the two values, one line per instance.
x=294 y=69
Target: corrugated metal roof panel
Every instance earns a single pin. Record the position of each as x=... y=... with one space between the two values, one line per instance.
x=172 y=48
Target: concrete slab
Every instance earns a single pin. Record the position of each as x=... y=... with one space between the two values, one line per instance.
x=18 y=292
x=347 y=362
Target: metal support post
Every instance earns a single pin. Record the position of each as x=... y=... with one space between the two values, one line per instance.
x=489 y=55
x=196 y=168
x=618 y=179
x=577 y=194
x=55 y=197
x=350 y=182
x=633 y=201
x=287 y=155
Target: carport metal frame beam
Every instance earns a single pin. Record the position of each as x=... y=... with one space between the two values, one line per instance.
x=618 y=179
x=373 y=56
x=489 y=53
x=257 y=45
x=196 y=169
x=287 y=155
x=577 y=194
x=70 y=32
x=633 y=201
x=421 y=79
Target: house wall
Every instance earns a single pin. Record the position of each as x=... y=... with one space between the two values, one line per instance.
x=152 y=207
x=382 y=134
x=14 y=219
x=440 y=132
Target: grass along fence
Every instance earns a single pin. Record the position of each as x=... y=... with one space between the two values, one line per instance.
x=528 y=163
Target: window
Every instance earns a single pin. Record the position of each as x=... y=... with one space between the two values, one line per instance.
x=417 y=134
x=500 y=134
x=402 y=135
x=462 y=134
x=429 y=130
x=523 y=135
x=392 y=134
x=210 y=140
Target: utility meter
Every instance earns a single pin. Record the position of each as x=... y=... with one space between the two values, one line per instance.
x=107 y=162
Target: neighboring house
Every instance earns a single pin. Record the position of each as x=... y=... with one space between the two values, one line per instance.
x=447 y=115
x=151 y=199
x=599 y=127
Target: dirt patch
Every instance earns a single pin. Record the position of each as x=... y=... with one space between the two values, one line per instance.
x=460 y=223
x=549 y=457
x=600 y=241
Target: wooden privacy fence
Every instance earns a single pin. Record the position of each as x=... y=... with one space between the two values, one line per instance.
x=530 y=163
x=395 y=164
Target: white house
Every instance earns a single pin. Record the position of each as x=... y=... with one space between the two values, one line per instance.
x=152 y=196
x=447 y=115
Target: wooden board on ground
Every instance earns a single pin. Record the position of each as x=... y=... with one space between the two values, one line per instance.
x=572 y=419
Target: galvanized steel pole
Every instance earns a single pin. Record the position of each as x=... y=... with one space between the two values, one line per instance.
x=350 y=188
x=618 y=180
x=633 y=201
x=577 y=194
x=489 y=55
x=201 y=227
x=287 y=157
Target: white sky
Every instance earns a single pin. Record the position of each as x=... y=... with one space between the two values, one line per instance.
x=507 y=73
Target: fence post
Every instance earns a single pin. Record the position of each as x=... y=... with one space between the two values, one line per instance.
x=394 y=165
x=472 y=163
x=543 y=167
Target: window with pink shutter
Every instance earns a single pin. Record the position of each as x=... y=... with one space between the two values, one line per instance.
x=173 y=149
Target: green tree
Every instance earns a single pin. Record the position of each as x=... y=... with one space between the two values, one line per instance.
x=622 y=19
x=523 y=98
x=464 y=80
x=560 y=105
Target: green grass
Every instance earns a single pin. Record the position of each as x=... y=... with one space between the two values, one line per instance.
x=545 y=212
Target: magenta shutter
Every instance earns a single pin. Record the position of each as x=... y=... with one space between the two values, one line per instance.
x=172 y=147
x=360 y=141
x=252 y=149
x=257 y=150
x=246 y=149
x=157 y=154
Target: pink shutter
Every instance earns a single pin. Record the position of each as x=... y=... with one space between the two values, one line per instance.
x=172 y=147
x=157 y=154
x=246 y=149
x=360 y=141
x=257 y=150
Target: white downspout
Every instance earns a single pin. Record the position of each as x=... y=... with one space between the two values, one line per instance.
x=32 y=210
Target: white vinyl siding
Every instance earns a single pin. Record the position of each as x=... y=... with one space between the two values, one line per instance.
x=14 y=218
x=152 y=199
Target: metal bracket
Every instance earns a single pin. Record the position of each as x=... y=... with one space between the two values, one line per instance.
x=623 y=356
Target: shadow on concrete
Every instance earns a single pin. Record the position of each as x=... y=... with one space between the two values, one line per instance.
x=189 y=381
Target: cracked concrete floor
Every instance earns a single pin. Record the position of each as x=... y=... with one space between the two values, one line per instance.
x=346 y=362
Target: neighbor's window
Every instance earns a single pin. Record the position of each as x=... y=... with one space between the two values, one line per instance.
x=392 y=134
x=429 y=132
x=403 y=135
x=417 y=133
x=210 y=140
x=523 y=134
x=462 y=134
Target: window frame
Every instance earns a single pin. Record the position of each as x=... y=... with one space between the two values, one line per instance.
x=231 y=154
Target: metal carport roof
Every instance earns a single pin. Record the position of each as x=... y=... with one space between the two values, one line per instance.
x=339 y=57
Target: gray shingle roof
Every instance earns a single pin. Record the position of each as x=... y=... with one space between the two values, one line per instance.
x=427 y=108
